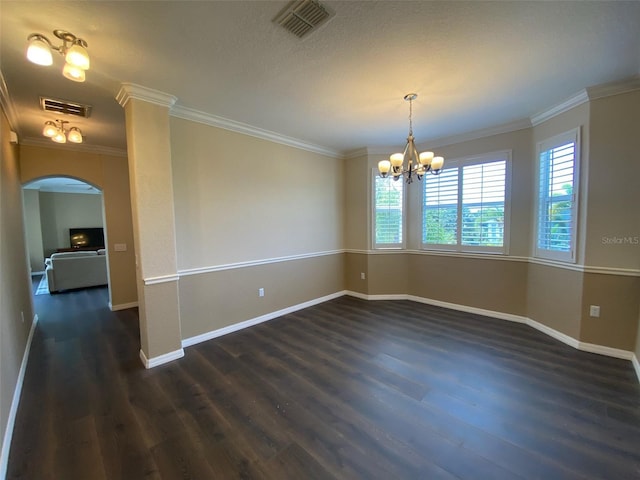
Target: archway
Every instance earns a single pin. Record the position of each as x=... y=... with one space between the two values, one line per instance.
x=110 y=174
x=65 y=214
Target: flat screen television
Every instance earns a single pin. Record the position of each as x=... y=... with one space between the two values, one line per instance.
x=86 y=237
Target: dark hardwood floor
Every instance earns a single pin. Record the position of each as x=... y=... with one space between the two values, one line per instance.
x=345 y=389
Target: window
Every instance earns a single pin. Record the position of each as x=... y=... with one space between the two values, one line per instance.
x=557 y=189
x=388 y=221
x=464 y=207
x=440 y=213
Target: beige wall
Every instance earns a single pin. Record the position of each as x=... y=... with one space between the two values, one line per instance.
x=239 y=198
x=617 y=297
x=243 y=199
x=214 y=300
x=613 y=185
x=149 y=149
x=496 y=285
x=613 y=221
x=356 y=264
x=33 y=229
x=16 y=310
x=357 y=198
x=388 y=274
x=61 y=211
x=554 y=298
x=109 y=174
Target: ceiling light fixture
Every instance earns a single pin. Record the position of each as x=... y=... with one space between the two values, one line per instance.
x=73 y=49
x=417 y=165
x=56 y=132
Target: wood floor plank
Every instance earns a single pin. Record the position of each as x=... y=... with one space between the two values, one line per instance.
x=347 y=389
x=124 y=453
x=295 y=462
x=78 y=455
x=340 y=439
x=533 y=462
x=340 y=384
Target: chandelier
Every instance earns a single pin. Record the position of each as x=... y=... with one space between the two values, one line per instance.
x=56 y=132
x=416 y=165
x=73 y=49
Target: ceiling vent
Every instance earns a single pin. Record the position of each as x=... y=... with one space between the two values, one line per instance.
x=302 y=17
x=62 y=106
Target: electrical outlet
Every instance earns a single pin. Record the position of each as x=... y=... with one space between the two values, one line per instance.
x=594 y=311
x=261 y=292
x=119 y=247
x=362 y=276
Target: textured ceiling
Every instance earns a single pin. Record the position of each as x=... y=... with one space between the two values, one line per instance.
x=474 y=65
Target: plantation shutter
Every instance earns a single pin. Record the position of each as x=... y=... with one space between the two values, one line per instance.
x=556 y=208
x=440 y=208
x=483 y=196
x=388 y=216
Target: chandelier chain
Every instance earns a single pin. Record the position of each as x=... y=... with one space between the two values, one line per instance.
x=410 y=116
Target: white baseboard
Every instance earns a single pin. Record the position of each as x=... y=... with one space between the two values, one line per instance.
x=187 y=342
x=438 y=303
x=361 y=296
x=636 y=365
x=41 y=272
x=465 y=308
x=122 y=306
x=160 y=359
x=606 y=351
x=11 y=419
x=564 y=338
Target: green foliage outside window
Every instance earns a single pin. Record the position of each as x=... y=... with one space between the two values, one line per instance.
x=559 y=220
x=388 y=211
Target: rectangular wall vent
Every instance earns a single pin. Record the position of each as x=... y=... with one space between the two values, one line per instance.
x=63 y=106
x=301 y=17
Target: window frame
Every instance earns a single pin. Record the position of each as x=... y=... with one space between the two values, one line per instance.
x=387 y=246
x=460 y=163
x=544 y=146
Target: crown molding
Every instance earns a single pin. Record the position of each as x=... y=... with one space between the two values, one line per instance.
x=614 y=88
x=82 y=147
x=384 y=150
x=7 y=105
x=571 y=102
x=365 y=151
x=358 y=152
x=514 y=126
x=131 y=90
x=193 y=115
x=444 y=141
x=586 y=95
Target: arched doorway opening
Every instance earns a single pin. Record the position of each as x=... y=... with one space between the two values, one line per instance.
x=65 y=215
